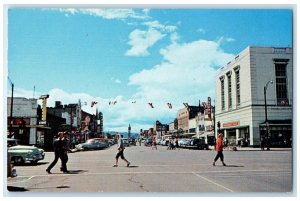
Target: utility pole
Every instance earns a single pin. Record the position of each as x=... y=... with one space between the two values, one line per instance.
x=11 y=108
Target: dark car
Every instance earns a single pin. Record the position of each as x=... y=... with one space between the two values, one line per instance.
x=198 y=143
x=95 y=143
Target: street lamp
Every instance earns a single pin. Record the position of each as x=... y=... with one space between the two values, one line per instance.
x=266 y=114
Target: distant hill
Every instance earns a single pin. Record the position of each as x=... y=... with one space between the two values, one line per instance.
x=124 y=134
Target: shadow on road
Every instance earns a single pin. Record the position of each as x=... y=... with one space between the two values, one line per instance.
x=133 y=166
x=234 y=166
x=77 y=171
x=30 y=164
x=16 y=189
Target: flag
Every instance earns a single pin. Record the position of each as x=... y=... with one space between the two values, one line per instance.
x=169 y=105
x=151 y=105
x=93 y=103
x=112 y=102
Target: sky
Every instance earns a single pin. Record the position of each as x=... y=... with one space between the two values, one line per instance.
x=132 y=56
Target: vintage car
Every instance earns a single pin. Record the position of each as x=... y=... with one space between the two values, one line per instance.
x=95 y=143
x=20 y=154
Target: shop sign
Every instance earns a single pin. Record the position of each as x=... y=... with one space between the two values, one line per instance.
x=231 y=124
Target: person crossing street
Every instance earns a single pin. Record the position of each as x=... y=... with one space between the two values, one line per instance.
x=120 y=152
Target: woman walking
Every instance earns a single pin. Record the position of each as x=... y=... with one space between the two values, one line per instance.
x=219 y=149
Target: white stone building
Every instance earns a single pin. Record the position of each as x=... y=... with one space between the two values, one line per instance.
x=240 y=103
x=26 y=110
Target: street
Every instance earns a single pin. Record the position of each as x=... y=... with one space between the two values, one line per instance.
x=179 y=172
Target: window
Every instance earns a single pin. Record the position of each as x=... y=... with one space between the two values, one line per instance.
x=281 y=85
x=279 y=50
x=222 y=95
x=238 y=93
x=229 y=90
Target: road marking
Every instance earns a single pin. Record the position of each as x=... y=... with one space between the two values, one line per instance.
x=213 y=182
x=22 y=180
x=257 y=172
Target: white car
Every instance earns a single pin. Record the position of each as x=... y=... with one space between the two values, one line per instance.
x=21 y=154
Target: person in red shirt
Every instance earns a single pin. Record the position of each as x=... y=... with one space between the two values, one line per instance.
x=219 y=149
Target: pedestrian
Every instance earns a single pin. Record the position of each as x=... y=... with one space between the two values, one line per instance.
x=170 y=145
x=66 y=148
x=154 y=144
x=226 y=143
x=219 y=149
x=58 y=145
x=176 y=144
x=120 y=152
x=262 y=143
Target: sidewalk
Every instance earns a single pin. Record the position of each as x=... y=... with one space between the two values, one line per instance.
x=252 y=149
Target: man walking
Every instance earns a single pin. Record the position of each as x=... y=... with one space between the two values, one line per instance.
x=59 y=152
x=219 y=149
x=120 y=151
x=65 y=158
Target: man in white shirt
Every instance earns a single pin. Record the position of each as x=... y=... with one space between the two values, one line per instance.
x=120 y=152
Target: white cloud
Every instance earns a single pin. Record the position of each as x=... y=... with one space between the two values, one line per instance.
x=109 y=13
x=222 y=39
x=174 y=37
x=142 y=40
x=230 y=39
x=185 y=75
x=157 y=25
x=116 y=117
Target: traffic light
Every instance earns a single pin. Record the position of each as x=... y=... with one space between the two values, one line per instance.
x=219 y=124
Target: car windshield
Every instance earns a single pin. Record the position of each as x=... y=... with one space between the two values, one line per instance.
x=90 y=141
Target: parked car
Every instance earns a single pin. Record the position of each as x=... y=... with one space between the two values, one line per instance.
x=158 y=141
x=125 y=142
x=20 y=154
x=198 y=143
x=184 y=142
x=148 y=142
x=132 y=142
x=165 y=142
x=95 y=143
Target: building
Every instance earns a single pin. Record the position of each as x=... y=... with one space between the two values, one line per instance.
x=26 y=125
x=160 y=129
x=240 y=103
x=186 y=119
x=71 y=112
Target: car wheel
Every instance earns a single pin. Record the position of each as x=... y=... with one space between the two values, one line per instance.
x=18 y=160
x=85 y=149
x=34 y=162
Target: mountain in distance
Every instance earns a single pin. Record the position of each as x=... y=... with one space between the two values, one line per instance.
x=124 y=134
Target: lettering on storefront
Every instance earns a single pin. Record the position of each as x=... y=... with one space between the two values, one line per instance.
x=231 y=124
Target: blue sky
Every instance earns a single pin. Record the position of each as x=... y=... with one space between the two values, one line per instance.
x=125 y=55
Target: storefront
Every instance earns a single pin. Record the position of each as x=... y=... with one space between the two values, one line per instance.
x=236 y=134
x=280 y=132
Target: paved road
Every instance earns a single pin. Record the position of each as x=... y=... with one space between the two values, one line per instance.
x=180 y=172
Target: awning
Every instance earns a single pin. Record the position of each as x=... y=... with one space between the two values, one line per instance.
x=286 y=122
x=188 y=134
